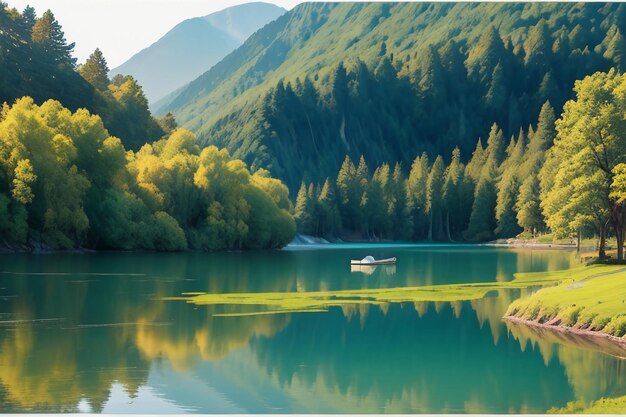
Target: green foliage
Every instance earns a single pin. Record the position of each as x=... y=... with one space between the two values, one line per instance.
x=508 y=189
x=129 y=116
x=66 y=182
x=482 y=221
x=579 y=168
x=454 y=198
x=36 y=61
x=313 y=86
x=529 y=215
x=416 y=195
x=96 y=71
x=434 y=201
x=168 y=123
x=304 y=211
x=48 y=37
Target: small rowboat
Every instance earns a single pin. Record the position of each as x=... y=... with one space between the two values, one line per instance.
x=369 y=260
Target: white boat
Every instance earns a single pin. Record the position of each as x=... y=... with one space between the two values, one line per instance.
x=369 y=260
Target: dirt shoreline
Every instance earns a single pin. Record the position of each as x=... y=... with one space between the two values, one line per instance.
x=532 y=245
x=619 y=341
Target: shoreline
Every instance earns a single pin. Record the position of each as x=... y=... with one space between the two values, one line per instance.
x=618 y=341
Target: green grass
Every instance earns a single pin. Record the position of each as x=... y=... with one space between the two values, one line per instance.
x=601 y=406
x=318 y=301
x=592 y=298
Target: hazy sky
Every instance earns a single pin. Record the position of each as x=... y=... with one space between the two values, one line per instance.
x=120 y=28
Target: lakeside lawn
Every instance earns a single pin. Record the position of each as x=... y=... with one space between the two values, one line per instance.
x=592 y=298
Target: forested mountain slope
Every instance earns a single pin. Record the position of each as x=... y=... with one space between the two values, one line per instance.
x=36 y=61
x=390 y=80
x=193 y=46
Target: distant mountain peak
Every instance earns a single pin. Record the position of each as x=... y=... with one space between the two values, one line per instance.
x=239 y=21
x=193 y=46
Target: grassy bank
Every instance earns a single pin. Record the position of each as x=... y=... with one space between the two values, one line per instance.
x=590 y=299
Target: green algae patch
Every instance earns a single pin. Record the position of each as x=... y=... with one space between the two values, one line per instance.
x=591 y=298
x=601 y=406
x=320 y=301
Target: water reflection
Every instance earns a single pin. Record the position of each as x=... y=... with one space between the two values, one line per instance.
x=387 y=270
x=590 y=374
x=88 y=333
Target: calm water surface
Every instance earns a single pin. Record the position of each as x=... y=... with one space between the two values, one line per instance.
x=89 y=332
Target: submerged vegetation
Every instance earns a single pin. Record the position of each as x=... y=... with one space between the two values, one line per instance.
x=320 y=301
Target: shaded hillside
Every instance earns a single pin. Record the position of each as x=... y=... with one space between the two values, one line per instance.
x=390 y=80
x=36 y=61
x=194 y=46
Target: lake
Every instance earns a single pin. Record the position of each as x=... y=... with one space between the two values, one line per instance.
x=92 y=333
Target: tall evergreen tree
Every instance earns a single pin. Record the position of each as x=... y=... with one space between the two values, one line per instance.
x=303 y=213
x=348 y=188
x=95 y=70
x=50 y=39
x=416 y=195
x=529 y=215
x=398 y=210
x=482 y=220
x=453 y=199
x=328 y=212
x=434 y=193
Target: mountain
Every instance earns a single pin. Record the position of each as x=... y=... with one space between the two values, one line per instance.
x=392 y=80
x=193 y=46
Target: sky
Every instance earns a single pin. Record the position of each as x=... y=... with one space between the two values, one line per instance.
x=121 y=28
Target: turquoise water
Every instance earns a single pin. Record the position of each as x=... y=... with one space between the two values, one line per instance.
x=90 y=332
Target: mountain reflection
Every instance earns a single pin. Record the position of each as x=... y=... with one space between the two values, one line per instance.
x=74 y=326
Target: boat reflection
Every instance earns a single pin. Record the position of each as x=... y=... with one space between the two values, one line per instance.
x=370 y=269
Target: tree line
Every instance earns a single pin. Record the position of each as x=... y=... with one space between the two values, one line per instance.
x=566 y=176
x=36 y=61
x=393 y=104
x=65 y=182
x=492 y=195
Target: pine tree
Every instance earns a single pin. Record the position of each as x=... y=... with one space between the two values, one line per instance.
x=376 y=206
x=497 y=94
x=416 y=195
x=329 y=218
x=349 y=195
x=505 y=205
x=485 y=55
x=482 y=219
x=616 y=50
x=434 y=191
x=95 y=71
x=29 y=18
x=303 y=211
x=529 y=214
x=398 y=210
x=528 y=201
x=452 y=197
x=49 y=37
x=495 y=147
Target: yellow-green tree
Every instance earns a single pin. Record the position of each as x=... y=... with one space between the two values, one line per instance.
x=581 y=166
